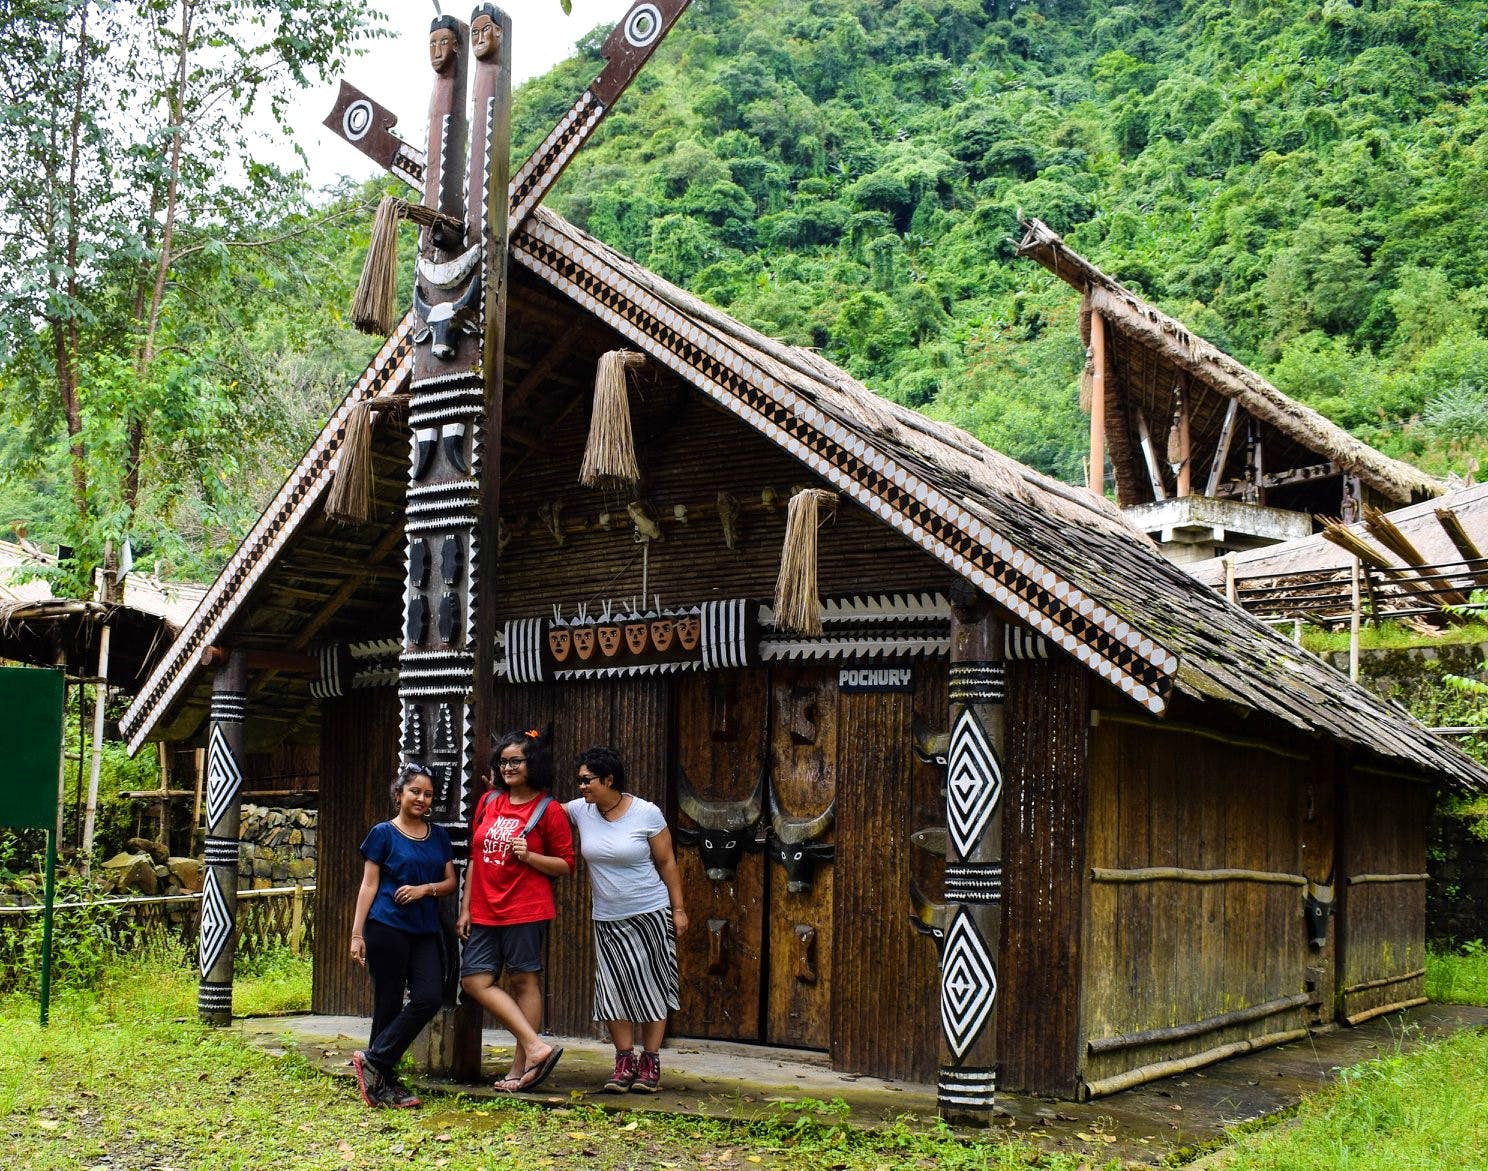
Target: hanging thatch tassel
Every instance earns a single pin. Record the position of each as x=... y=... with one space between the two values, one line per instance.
x=350 y=497
x=377 y=292
x=376 y=302
x=797 y=606
x=609 y=456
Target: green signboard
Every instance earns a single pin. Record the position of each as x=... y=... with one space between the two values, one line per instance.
x=30 y=746
x=31 y=701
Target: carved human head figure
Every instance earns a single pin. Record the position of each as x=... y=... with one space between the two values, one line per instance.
x=444 y=43
x=485 y=32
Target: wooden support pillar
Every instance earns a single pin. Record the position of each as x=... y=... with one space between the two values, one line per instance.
x=1095 y=478
x=1185 y=445
x=967 y=1082
x=219 y=906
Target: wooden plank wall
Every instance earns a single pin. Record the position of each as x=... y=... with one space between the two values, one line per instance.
x=358 y=759
x=1043 y=851
x=886 y=982
x=1382 y=924
x=689 y=451
x=1164 y=953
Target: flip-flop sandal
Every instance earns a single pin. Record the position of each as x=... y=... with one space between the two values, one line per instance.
x=536 y=1075
x=507 y=1085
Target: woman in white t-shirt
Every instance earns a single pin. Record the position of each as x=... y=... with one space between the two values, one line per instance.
x=638 y=915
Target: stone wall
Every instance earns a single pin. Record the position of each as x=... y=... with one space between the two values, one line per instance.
x=276 y=847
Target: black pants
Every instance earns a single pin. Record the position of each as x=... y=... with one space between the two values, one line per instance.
x=399 y=960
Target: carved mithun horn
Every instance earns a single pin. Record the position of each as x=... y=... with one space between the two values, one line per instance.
x=930 y=747
x=927 y=915
x=720 y=815
x=795 y=830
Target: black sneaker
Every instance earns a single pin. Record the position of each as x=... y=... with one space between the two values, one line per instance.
x=370 y=1081
x=399 y=1095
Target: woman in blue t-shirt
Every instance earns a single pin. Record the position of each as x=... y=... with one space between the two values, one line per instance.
x=395 y=932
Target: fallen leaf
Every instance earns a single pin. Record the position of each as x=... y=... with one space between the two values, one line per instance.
x=443 y=1138
x=346 y=1152
x=631 y=1125
x=47 y=1123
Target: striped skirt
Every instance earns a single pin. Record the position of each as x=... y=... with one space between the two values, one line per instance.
x=635 y=976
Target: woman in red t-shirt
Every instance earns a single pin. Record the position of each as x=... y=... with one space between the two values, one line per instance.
x=520 y=841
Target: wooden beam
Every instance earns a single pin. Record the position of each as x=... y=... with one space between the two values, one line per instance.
x=1095 y=477
x=1149 y=456
x=1222 y=448
x=1284 y=479
x=390 y=541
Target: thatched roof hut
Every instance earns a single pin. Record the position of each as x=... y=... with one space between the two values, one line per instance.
x=1157 y=369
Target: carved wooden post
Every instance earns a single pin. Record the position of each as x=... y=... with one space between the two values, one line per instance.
x=219 y=906
x=973 y=877
x=436 y=669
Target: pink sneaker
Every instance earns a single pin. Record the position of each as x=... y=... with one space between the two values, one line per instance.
x=624 y=1076
x=648 y=1075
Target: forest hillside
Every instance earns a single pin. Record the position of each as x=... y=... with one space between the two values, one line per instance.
x=1301 y=182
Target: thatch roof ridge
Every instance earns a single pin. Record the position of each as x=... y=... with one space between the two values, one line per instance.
x=1144 y=322
x=1061 y=565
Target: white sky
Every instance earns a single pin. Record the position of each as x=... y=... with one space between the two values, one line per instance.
x=395 y=71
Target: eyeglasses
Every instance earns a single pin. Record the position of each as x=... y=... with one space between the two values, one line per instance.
x=510 y=764
x=586 y=779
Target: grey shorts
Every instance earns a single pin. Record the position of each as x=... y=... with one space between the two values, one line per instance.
x=515 y=948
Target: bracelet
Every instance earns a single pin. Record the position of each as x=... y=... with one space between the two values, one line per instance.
x=354 y=938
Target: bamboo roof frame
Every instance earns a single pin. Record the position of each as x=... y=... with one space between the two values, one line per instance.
x=1061 y=561
x=1167 y=340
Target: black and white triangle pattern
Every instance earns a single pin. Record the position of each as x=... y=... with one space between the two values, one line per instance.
x=973 y=783
x=224 y=777
x=968 y=985
x=216 y=921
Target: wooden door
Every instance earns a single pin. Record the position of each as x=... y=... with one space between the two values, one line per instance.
x=722 y=728
x=803 y=756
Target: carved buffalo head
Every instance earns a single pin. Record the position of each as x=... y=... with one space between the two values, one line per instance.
x=443 y=320
x=725 y=828
x=795 y=843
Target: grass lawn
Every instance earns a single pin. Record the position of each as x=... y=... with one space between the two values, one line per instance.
x=125 y=1079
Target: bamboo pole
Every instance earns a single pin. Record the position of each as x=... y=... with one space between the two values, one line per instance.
x=1361 y=879
x=1359 y=1018
x=1184 y=874
x=1095 y=478
x=95 y=764
x=1354 y=620
x=1162 y=1069
x=1212 y=1024
x=1108 y=717
x=1451 y=524
x=1388 y=534
x=1231 y=590
x=1384 y=981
